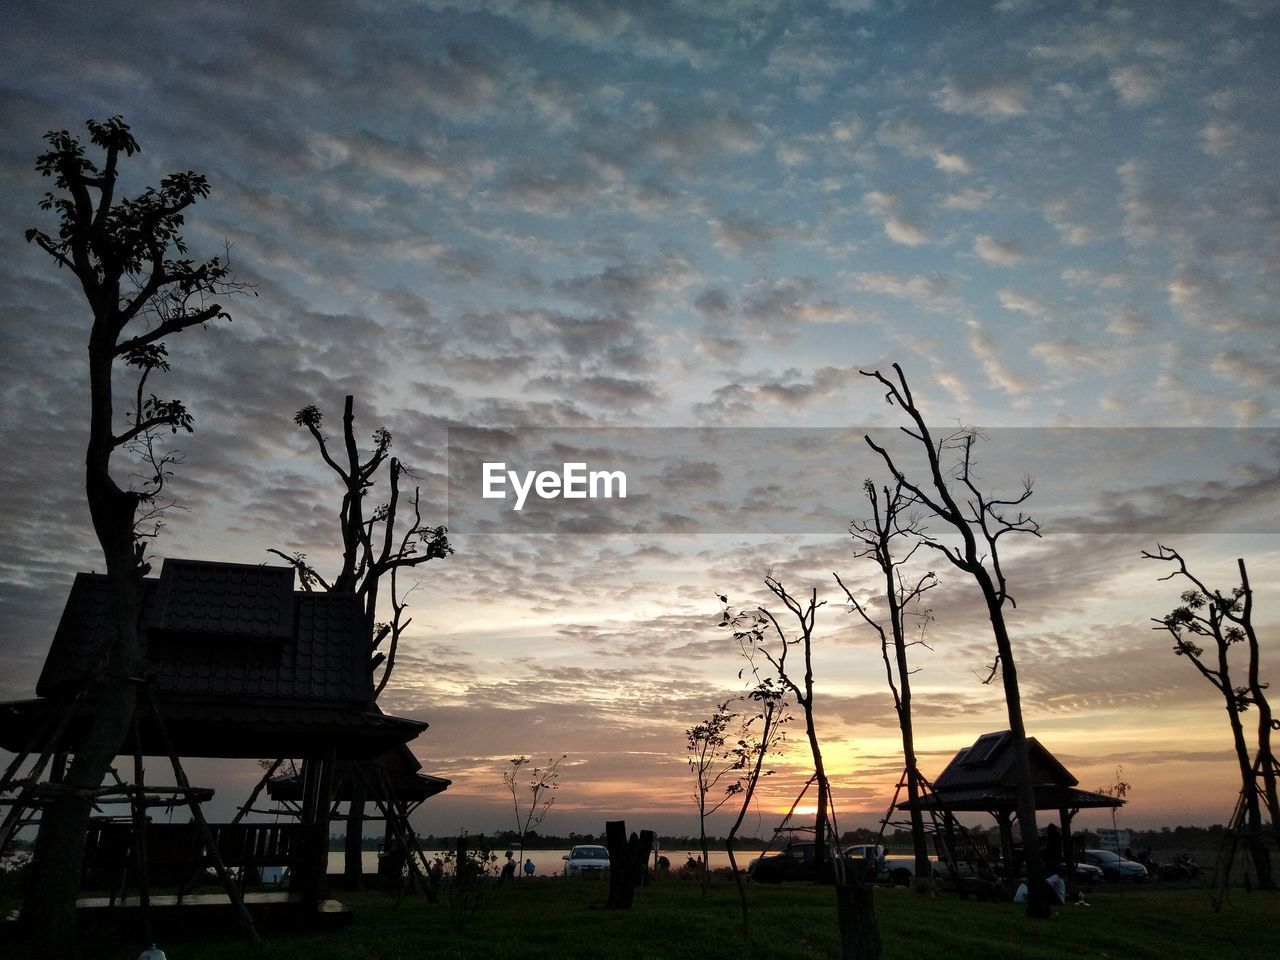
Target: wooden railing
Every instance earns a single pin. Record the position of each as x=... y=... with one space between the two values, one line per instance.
x=176 y=852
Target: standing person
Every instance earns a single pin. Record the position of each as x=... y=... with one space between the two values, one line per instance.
x=509 y=867
x=1053 y=844
x=528 y=867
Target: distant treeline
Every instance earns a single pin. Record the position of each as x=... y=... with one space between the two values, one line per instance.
x=509 y=840
x=1174 y=839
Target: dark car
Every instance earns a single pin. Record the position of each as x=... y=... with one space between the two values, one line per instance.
x=1088 y=874
x=793 y=863
x=796 y=863
x=1114 y=867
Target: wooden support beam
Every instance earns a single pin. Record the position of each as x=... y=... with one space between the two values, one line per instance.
x=139 y=812
x=248 y=804
x=197 y=814
x=47 y=738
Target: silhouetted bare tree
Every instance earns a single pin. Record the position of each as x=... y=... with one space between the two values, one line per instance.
x=859 y=931
x=128 y=257
x=376 y=545
x=1227 y=620
x=1120 y=788
x=892 y=526
x=950 y=492
x=755 y=627
x=760 y=735
x=711 y=760
x=542 y=784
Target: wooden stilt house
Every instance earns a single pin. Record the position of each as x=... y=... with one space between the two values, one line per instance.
x=238 y=665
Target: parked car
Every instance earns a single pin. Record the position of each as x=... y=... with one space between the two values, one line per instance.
x=1088 y=874
x=586 y=859
x=796 y=862
x=1114 y=867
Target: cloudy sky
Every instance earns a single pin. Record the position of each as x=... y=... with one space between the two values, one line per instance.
x=663 y=218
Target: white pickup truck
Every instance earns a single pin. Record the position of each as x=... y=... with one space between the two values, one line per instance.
x=795 y=862
x=900 y=869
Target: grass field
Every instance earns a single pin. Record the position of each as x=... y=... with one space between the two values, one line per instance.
x=555 y=918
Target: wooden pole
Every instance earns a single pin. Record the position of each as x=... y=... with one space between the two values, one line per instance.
x=202 y=825
x=248 y=804
x=140 y=834
x=397 y=820
x=317 y=787
x=50 y=733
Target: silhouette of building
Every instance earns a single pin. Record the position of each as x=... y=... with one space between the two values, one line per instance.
x=981 y=778
x=238 y=665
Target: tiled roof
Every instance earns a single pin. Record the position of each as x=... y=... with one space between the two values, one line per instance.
x=981 y=777
x=224 y=599
x=989 y=762
x=216 y=726
x=402 y=768
x=223 y=630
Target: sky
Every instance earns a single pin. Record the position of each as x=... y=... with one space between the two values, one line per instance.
x=507 y=225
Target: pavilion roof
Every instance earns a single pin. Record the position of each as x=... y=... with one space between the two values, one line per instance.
x=222 y=630
x=238 y=662
x=408 y=784
x=982 y=777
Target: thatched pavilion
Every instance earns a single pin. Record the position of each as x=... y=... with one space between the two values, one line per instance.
x=980 y=778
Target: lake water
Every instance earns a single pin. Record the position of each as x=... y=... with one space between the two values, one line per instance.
x=548 y=863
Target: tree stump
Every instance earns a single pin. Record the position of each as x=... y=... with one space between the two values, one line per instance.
x=621 y=875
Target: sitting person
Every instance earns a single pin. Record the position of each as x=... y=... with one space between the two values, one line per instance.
x=1055 y=888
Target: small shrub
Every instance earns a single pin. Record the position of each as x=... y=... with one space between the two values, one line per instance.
x=469 y=884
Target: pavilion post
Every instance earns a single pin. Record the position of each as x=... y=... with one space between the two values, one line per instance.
x=317 y=783
x=1004 y=819
x=1069 y=853
x=137 y=807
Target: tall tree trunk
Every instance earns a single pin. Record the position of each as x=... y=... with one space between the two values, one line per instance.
x=1248 y=780
x=919 y=845
x=704 y=880
x=49 y=911
x=1037 y=901
x=919 y=842
x=820 y=853
x=1261 y=704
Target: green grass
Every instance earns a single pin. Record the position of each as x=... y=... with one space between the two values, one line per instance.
x=551 y=918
